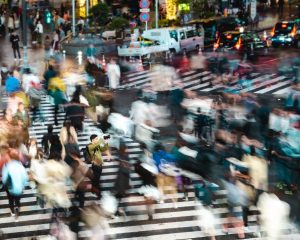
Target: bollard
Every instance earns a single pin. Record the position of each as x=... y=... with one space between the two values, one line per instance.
x=103 y=63
x=140 y=66
x=79 y=56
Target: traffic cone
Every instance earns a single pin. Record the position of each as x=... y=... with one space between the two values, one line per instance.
x=265 y=36
x=140 y=65
x=200 y=51
x=185 y=64
x=103 y=63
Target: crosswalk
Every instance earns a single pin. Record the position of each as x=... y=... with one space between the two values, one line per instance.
x=259 y=83
x=169 y=223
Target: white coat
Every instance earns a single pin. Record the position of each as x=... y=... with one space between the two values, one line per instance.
x=114 y=74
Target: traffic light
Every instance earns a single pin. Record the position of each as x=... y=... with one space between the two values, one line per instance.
x=48 y=17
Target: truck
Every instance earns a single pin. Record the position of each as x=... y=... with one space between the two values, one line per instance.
x=173 y=40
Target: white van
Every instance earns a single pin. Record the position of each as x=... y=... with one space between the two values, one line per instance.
x=178 y=39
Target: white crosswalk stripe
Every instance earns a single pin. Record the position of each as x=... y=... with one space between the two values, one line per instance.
x=194 y=80
x=169 y=222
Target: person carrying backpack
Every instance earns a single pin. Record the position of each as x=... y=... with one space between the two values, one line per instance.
x=14 y=178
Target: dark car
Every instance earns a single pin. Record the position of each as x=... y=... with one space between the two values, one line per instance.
x=215 y=26
x=285 y=34
x=246 y=42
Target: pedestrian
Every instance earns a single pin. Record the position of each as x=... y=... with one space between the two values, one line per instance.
x=47 y=139
x=14 y=178
x=69 y=141
x=11 y=23
x=22 y=115
x=91 y=54
x=80 y=173
x=114 y=74
x=56 y=90
x=80 y=24
x=122 y=184
x=15 y=39
x=39 y=31
x=12 y=84
x=16 y=22
x=55 y=42
x=95 y=149
x=75 y=111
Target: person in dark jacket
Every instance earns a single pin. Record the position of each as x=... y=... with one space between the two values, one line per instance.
x=15 y=39
x=75 y=111
x=122 y=183
x=46 y=140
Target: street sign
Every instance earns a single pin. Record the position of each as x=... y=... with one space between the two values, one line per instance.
x=144 y=17
x=145 y=10
x=144 y=4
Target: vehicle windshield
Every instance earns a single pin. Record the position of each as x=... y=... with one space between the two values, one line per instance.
x=229 y=39
x=174 y=35
x=283 y=28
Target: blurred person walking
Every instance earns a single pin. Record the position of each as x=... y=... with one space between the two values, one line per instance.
x=114 y=74
x=122 y=184
x=12 y=84
x=14 y=178
x=69 y=141
x=274 y=215
x=55 y=41
x=56 y=89
x=11 y=23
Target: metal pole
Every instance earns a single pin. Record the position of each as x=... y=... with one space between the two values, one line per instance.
x=156 y=14
x=87 y=11
x=73 y=17
x=24 y=33
x=146 y=26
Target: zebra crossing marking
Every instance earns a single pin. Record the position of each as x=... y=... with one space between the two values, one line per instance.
x=260 y=83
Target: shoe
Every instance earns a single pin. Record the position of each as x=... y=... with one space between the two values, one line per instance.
x=16 y=213
x=12 y=214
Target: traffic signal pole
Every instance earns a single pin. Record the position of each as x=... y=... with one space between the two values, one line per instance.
x=73 y=18
x=24 y=34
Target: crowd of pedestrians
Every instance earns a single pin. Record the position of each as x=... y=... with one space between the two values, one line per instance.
x=230 y=141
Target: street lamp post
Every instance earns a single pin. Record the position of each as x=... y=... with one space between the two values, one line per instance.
x=87 y=11
x=24 y=33
x=156 y=14
x=73 y=17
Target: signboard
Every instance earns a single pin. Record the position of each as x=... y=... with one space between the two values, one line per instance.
x=144 y=17
x=144 y=10
x=144 y=4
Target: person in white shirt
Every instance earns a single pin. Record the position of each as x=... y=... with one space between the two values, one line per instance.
x=114 y=74
x=39 y=31
x=29 y=79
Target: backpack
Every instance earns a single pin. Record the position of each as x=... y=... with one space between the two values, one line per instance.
x=87 y=155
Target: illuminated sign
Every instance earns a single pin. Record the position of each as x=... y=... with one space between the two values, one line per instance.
x=171 y=9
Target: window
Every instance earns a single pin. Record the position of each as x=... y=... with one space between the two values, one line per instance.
x=174 y=35
x=182 y=35
x=190 y=34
